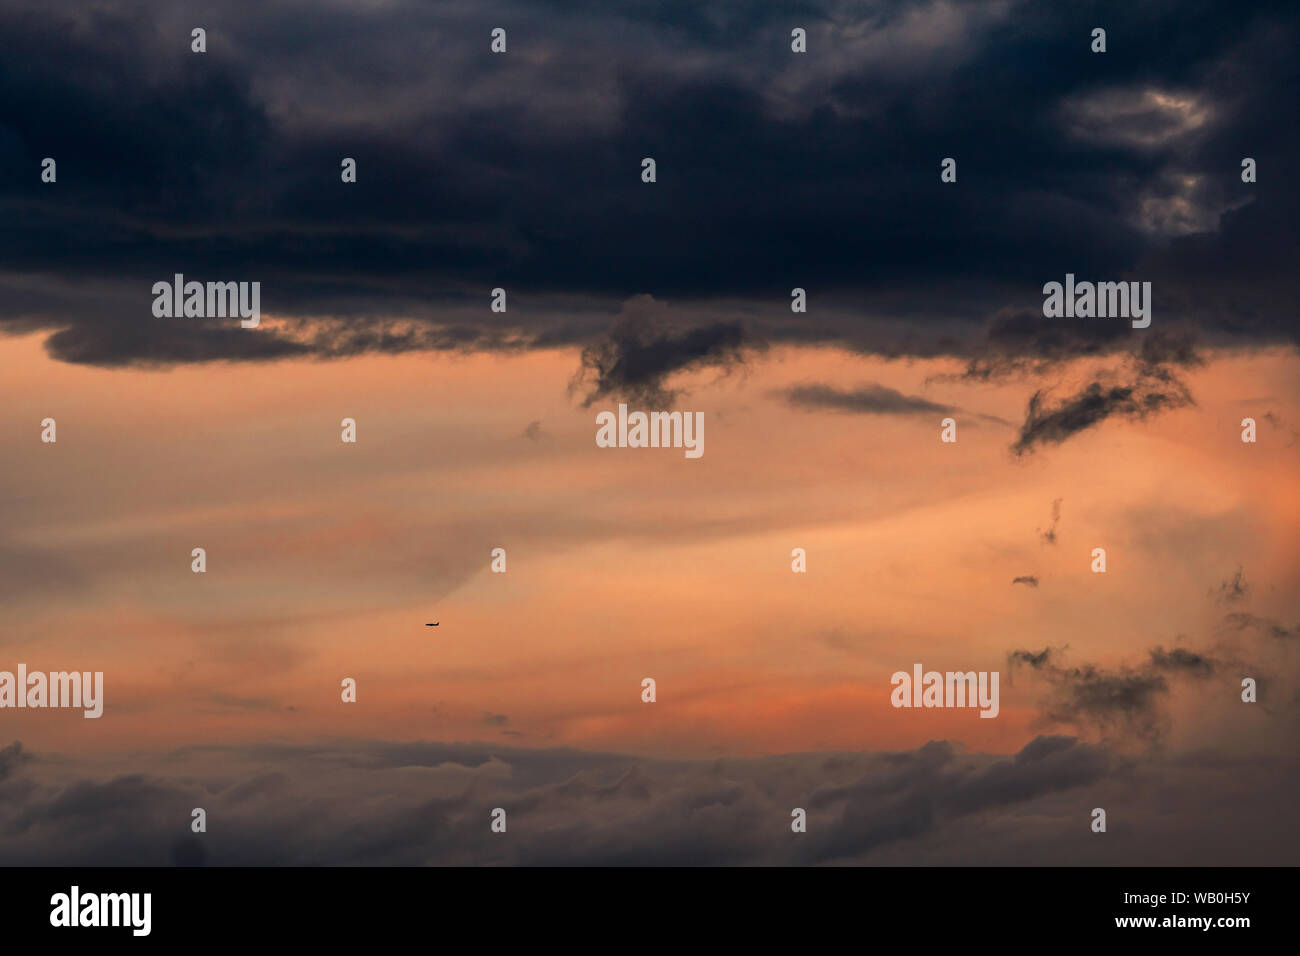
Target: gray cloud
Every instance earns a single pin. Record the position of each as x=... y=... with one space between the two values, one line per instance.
x=1033 y=659
x=1244 y=621
x=1049 y=536
x=1022 y=342
x=1234 y=589
x=633 y=362
x=1120 y=703
x=1125 y=703
x=1181 y=660
x=378 y=803
x=869 y=399
x=12 y=758
x=1145 y=384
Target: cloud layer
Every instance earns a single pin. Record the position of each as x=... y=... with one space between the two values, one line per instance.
x=378 y=803
x=522 y=171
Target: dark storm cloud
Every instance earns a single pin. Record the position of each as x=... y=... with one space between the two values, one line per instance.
x=378 y=803
x=522 y=171
x=1028 y=579
x=1023 y=342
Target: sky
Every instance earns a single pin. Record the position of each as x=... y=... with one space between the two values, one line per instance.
x=475 y=430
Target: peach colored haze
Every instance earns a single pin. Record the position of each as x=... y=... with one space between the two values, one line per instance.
x=326 y=560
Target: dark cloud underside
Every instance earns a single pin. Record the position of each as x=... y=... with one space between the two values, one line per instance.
x=376 y=803
x=522 y=171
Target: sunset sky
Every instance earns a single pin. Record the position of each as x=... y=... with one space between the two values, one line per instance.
x=475 y=430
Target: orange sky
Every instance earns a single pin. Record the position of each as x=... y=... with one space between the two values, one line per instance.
x=325 y=560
